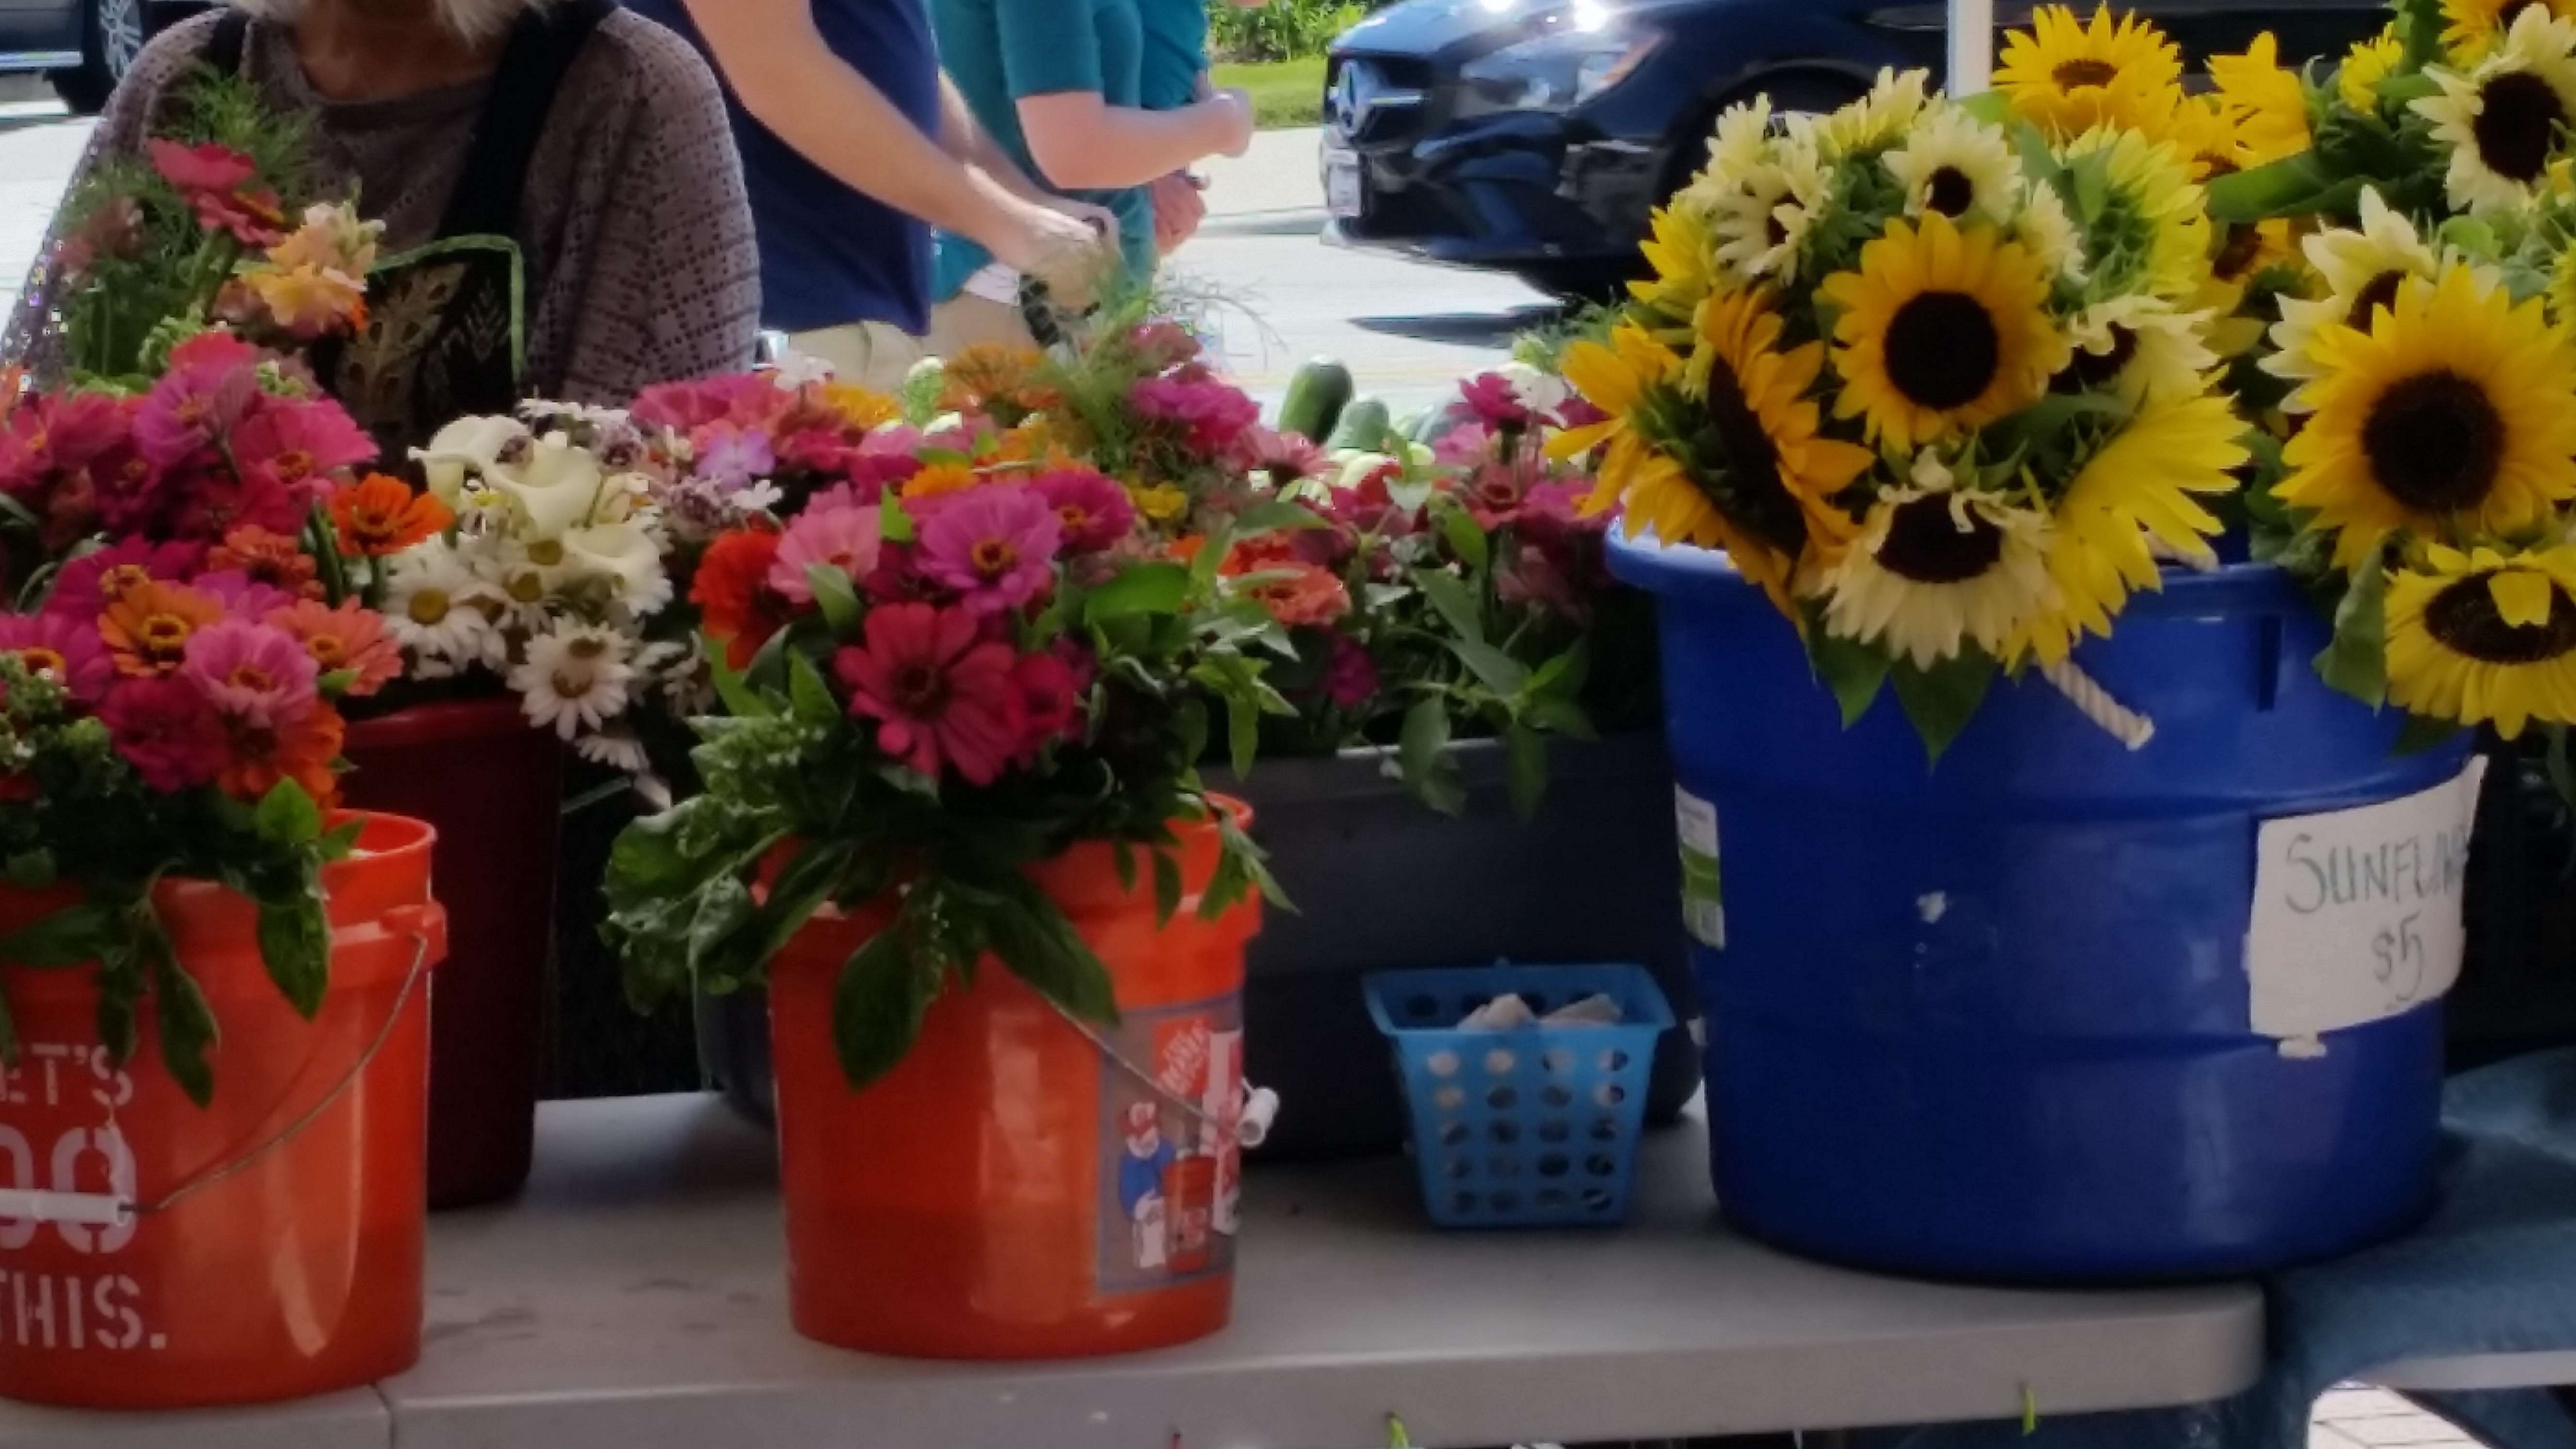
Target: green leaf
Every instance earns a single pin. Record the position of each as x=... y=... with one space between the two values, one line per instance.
x=2357 y=661
x=340 y=843
x=72 y=936
x=31 y=870
x=1278 y=515
x=2423 y=734
x=1560 y=716
x=1563 y=675
x=894 y=521
x=187 y=1023
x=295 y=942
x=723 y=914
x=2260 y=193
x=1422 y=752
x=1145 y=588
x=1852 y=670
x=740 y=699
x=1242 y=731
x=1466 y=539
x=808 y=696
x=877 y=1007
x=834 y=595
x=1241 y=866
x=1033 y=938
x=1525 y=773
x=1493 y=668
x=1167 y=886
x=1941 y=700
x=1450 y=598
x=1124 y=854
x=288 y=816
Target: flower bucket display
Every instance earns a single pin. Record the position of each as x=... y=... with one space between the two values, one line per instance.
x=492 y=788
x=1996 y=1019
x=274 y=1246
x=1022 y=1186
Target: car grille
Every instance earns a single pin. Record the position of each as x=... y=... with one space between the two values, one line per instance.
x=1376 y=100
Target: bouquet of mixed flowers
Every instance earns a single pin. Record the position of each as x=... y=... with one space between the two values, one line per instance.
x=1936 y=383
x=959 y=656
x=1454 y=586
x=2421 y=369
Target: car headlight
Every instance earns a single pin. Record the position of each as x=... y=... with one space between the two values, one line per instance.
x=1562 y=69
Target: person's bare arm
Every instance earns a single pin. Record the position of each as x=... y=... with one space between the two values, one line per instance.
x=791 y=82
x=1079 y=140
x=965 y=138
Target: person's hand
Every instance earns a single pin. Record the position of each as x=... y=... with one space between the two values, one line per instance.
x=1178 y=209
x=1233 y=111
x=1102 y=221
x=1069 y=254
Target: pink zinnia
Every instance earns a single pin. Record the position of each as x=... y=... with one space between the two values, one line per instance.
x=200 y=168
x=1350 y=680
x=213 y=179
x=350 y=638
x=296 y=444
x=1093 y=512
x=750 y=399
x=1213 y=416
x=88 y=584
x=1286 y=458
x=1495 y=401
x=203 y=397
x=62 y=649
x=252 y=674
x=1496 y=492
x=60 y=432
x=1163 y=344
x=1050 y=701
x=165 y=729
x=994 y=544
x=849 y=539
x=241 y=595
x=943 y=696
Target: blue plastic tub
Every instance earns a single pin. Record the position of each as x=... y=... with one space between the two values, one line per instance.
x=1992 y=1020
x=1531 y=1127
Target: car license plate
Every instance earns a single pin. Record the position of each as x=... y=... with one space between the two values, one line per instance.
x=1342 y=190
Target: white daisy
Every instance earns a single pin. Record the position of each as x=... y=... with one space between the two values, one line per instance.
x=574 y=679
x=1760 y=226
x=2502 y=118
x=617 y=749
x=1886 y=113
x=1743 y=139
x=628 y=558
x=441 y=611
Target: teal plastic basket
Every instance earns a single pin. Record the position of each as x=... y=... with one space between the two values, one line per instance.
x=1532 y=1127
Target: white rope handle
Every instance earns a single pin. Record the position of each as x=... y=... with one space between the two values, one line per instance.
x=2122 y=723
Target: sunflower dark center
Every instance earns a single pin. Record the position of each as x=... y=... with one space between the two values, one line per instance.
x=920 y=688
x=1926 y=544
x=2518 y=118
x=2087 y=371
x=1942 y=350
x=2513 y=12
x=2084 y=72
x=1772 y=230
x=2380 y=291
x=1949 y=191
x=2464 y=618
x=1755 y=492
x=2237 y=253
x=2434 y=442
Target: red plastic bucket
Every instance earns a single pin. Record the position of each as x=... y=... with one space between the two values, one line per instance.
x=279 y=1252
x=1006 y=1191
x=492 y=787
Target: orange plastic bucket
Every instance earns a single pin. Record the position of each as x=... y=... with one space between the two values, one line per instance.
x=296 y=1272
x=1007 y=1192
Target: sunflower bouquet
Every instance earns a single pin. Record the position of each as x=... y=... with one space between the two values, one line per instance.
x=1936 y=382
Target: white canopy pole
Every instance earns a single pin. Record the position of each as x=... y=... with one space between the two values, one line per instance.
x=1972 y=46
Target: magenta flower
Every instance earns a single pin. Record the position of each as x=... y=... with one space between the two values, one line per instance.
x=1211 y=416
x=733 y=455
x=1050 y=701
x=1549 y=576
x=1496 y=492
x=1094 y=512
x=1163 y=344
x=88 y=584
x=296 y=444
x=751 y=399
x=241 y=595
x=1287 y=458
x=849 y=539
x=165 y=729
x=1464 y=446
x=202 y=398
x=942 y=695
x=1350 y=680
x=200 y=168
x=60 y=648
x=994 y=545
x=254 y=675
x=1495 y=402
x=215 y=180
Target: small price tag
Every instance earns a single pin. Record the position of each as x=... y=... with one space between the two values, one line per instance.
x=1703 y=898
x=2358 y=913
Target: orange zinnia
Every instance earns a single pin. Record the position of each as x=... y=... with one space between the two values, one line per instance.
x=861 y=408
x=940 y=478
x=381 y=516
x=299 y=749
x=148 y=627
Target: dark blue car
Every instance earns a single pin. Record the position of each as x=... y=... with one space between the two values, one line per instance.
x=1533 y=136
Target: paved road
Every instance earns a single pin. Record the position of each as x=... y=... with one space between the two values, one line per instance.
x=1407 y=331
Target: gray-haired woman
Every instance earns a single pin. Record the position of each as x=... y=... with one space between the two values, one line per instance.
x=592 y=138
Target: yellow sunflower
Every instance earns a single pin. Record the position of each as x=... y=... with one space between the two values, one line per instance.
x=1957 y=165
x=2452 y=412
x=859 y=407
x=2501 y=118
x=2484 y=636
x=2561 y=295
x=1760 y=222
x=1781 y=473
x=1678 y=249
x=2138 y=487
x=2067 y=77
x=1936 y=567
x=1615 y=377
x=2471 y=28
x=2270 y=106
x=2048 y=233
x=2139 y=349
x=1883 y=115
x=2153 y=220
x=2361 y=271
x=2367 y=64
x=1940 y=331
x=2206 y=133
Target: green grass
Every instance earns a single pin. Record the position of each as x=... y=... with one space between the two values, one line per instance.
x=1284 y=93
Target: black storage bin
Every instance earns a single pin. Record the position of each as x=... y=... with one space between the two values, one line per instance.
x=1382 y=883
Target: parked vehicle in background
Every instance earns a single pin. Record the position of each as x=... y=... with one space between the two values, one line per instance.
x=84 y=46
x=1534 y=136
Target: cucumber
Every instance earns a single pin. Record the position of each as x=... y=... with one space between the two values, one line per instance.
x=1364 y=425
x=1316 y=397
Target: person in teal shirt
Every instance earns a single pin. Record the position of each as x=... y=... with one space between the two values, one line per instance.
x=1060 y=85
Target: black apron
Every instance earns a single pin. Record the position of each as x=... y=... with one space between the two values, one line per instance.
x=445 y=336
